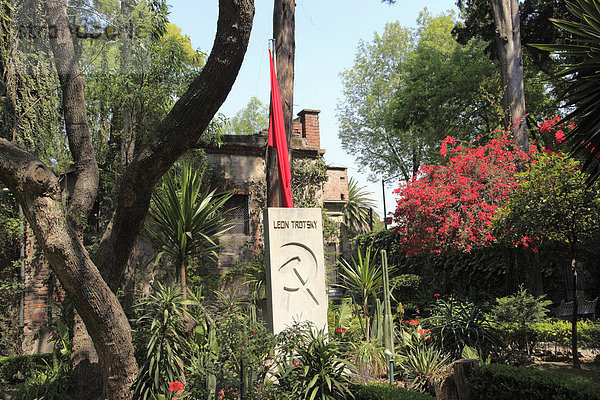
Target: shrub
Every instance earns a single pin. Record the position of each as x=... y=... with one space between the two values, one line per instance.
x=375 y=391
x=559 y=331
x=11 y=366
x=500 y=382
x=49 y=383
x=317 y=372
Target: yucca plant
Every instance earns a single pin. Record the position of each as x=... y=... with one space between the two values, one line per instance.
x=317 y=371
x=363 y=280
x=184 y=221
x=581 y=72
x=160 y=339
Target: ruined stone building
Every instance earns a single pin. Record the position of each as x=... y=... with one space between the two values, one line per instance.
x=242 y=160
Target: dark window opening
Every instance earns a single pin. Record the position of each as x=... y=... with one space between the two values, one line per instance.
x=236 y=213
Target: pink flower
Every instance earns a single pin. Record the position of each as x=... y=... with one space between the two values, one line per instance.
x=560 y=136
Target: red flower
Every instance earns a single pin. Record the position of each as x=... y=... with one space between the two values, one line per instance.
x=436 y=295
x=413 y=322
x=340 y=330
x=175 y=386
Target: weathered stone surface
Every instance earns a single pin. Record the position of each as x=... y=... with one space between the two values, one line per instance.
x=295 y=267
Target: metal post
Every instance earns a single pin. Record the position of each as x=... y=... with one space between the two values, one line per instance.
x=384 y=209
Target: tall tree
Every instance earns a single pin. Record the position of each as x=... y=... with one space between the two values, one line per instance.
x=507 y=20
x=284 y=34
x=251 y=119
x=368 y=88
x=90 y=280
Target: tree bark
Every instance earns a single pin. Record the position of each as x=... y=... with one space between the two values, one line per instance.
x=86 y=382
x=75 y=115
x=508 y=40
x=285 y=48
x=37 y=189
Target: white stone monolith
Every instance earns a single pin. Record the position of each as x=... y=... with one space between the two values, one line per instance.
x=295 y=267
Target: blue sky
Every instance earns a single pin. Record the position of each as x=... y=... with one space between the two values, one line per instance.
x=327 y=35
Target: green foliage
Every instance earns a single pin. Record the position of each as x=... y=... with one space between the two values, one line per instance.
x=455 y=324
x=160 y=340
x=550 y=205
x=308 y=177
x=363 y=280
x=251 y=119
x=231 y=349
x=48 y=383
x=185 y=222
x=317 y=371
x=357 y=209
x=582 y=53
x=457 y=81
x=559 y=332
x=25 y=365
x=368 y=87
x=370 y=358
x=500 y=382
x=521 y=308
x=424 y=364
x=514 y=315
x=378 y=391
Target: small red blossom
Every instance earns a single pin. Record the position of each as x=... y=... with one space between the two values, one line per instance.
x=175 y=386
x=413 y=322
x=436 y=295
x=340 y=330
x=423 y=331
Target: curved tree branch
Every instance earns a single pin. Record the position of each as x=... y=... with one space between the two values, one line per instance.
x=178 y=132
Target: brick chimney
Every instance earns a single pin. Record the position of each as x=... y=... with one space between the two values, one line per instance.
x=309 y=128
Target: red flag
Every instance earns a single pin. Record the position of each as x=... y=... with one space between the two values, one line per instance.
x=278 y=140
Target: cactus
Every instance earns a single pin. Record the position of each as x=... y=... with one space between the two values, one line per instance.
x=388 y=325
x=377 y=327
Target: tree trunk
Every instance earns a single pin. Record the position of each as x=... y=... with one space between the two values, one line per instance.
x=37 y=189
x=462 y=372
x=285 y=47
x=84 y=361
x=508 y=40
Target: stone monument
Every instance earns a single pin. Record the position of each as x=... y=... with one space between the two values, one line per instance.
x=295 y=267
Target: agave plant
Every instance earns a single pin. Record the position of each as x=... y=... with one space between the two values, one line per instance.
x=582 y=96
x=184 y=221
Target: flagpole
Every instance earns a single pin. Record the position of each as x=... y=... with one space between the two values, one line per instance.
x=274 y=53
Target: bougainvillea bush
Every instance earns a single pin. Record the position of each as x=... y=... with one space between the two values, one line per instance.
x=451 y=206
